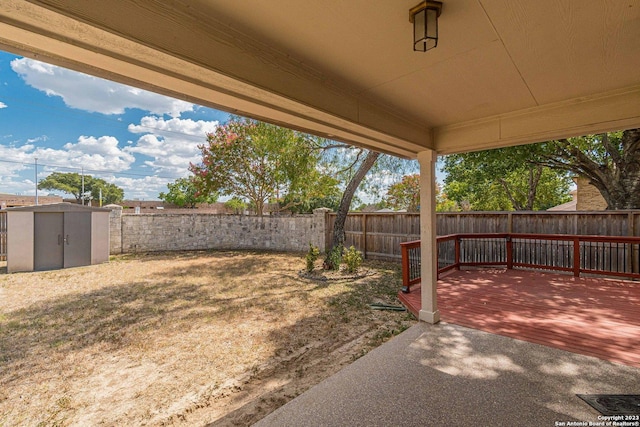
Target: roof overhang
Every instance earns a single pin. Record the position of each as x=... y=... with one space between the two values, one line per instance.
x=504 y=72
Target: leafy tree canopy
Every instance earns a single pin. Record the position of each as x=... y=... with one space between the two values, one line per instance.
x=326 y=195
x=71 y=183
x=184 y=193
x=236 y=204
x=405 y=194
x=504 y=179
x=260 y=162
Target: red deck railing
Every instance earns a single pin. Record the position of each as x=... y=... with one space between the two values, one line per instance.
x=596 y=255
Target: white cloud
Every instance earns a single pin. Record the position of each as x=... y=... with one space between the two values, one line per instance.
x=11 y=185
x=88 y=152
x=17 y=169
x=172 y=144
x=174 y=127
x=2 y=105
x=94 y=94
x=146 y=188
x=15 y=160
x=42 y=138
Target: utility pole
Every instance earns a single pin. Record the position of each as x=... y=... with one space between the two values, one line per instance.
x=82 y=194
x=36 y=181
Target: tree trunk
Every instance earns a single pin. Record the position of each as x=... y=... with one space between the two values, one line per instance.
x=338 y=238
x=535 y=173
x=617 y=180
x=259 y=207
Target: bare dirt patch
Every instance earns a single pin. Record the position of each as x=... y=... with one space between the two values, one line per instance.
x=190 y=338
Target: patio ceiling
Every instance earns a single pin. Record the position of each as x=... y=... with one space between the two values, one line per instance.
x=505 y=72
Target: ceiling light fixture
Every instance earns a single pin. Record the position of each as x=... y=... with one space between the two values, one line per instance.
x=424 y=18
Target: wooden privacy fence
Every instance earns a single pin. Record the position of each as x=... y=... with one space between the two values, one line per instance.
x=596 y=255
x=378 y=235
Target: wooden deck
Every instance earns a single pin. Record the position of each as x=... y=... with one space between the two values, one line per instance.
x=594 y=317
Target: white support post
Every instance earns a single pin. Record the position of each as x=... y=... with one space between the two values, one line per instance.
x=428 y=254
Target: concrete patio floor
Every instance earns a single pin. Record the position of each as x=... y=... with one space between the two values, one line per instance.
x=445 y=374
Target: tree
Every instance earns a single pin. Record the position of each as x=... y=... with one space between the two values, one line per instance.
x=405 y=194
x=327 y=195
x=443 y=203
x=71 y=183
x=110 y=193
x=504 y=179
x=184 y=193
x=260 y=162
x=337 y=241
x=236 y=204
x=610 y=161
x=363 y=170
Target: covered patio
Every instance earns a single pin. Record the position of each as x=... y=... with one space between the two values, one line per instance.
x=505 y=72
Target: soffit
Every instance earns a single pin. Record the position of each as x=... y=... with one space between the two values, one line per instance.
x=502 y=70
x=366 y=48
x=568 y=49
x=493 y=56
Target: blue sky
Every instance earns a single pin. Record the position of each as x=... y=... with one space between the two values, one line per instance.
x=70 y=122
x=135 y=139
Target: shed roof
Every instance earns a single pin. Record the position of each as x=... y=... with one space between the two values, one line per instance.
x=58 y=207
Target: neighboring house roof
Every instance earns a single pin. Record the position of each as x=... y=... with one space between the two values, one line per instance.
x=13 y=200
x=569 y=206
x=387 y=210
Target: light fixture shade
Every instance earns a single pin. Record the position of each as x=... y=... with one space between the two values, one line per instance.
x=425 y=25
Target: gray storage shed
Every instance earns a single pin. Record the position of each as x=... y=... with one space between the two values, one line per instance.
x=60 y=235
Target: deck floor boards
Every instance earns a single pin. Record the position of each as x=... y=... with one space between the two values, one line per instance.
x=591 y=316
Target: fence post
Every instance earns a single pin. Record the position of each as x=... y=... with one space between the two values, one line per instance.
x=509 y=252
x=364 y=235
x=328 y=228
x=576 y=257
x=457 y=253
x=405 y=268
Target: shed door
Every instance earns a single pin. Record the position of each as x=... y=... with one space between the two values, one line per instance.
x=77 y=236
x=48 y=249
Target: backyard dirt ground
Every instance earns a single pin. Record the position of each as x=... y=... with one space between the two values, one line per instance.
x=186 y=338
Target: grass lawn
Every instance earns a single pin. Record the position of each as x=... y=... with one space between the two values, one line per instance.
x=184 y=338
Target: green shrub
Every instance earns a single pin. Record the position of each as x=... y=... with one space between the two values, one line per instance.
x=334 y=258
x=353 y=259
x=311 y=257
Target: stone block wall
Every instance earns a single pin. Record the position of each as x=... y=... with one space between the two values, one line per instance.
x=193 y=231
x=115 y=229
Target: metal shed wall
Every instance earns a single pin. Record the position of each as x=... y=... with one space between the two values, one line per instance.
x=22 y=241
